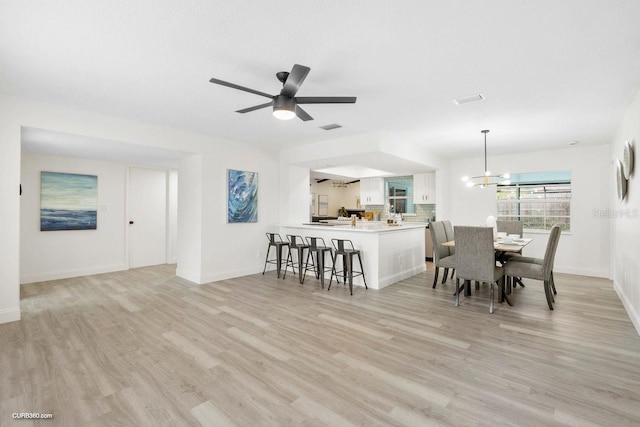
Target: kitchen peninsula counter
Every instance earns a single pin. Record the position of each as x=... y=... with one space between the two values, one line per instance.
x=389 y=253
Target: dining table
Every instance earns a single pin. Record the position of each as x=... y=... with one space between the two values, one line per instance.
x=502 y=246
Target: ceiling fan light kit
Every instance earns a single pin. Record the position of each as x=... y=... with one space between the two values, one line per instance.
x=285 y=105
x=488 y=178
x=283 y=108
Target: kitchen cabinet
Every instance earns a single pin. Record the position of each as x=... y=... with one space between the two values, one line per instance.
x=424 y=189
x=372 y=191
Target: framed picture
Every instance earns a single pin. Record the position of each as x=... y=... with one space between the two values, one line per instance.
x=68 y=201
x=242 y=196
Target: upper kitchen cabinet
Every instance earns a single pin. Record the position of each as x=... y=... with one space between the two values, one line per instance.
x=372 y=191
x=424 y=189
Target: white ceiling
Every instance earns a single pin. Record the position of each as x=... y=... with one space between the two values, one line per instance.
x=551 y=71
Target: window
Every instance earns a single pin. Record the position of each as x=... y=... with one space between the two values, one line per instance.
x=539 y=200
x=399 y=194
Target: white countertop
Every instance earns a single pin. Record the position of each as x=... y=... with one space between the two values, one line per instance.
x=361 y=226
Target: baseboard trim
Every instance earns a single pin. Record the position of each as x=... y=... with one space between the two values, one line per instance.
x=581 y=271
x=635 y=317
x=405 y=274
x=57 y=275
x=9 y=315
x=214 y=277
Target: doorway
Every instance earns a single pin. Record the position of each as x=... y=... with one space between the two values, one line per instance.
x=147 y=217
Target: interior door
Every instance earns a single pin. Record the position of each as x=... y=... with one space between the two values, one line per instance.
x=147 y=217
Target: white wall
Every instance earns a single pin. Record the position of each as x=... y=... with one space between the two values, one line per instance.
x=625 y=218
x=585 y=250
x=53 y=255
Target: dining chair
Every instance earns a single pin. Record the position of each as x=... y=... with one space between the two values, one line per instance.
x=539 y=269
x=448 y=231
x=511 y=227
x=441 y=256
x=475 y=260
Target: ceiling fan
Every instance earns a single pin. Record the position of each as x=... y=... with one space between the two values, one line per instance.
x=286 y=104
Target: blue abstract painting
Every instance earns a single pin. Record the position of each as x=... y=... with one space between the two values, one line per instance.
x=242 y=196
x=68 y=201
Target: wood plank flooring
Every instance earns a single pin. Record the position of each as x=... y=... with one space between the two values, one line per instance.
x=144 y=347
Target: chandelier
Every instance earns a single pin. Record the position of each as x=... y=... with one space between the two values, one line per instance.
x=487 y=179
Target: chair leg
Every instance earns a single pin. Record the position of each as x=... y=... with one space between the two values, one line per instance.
x=320 y=267
x=349 y=268
x=502 y=284
x=547 y=293
x=306 y=265
x=553 y=284
x=445 y=275
x=457 y=294
x=362 y=269
x=286 y=264
x=334 y=257
x=266 y=259
x=435 y=278
x=491 y=297
x=477 y=285
x=453 y=272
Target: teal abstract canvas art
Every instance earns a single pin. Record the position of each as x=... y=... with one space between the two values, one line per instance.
x=242 y=196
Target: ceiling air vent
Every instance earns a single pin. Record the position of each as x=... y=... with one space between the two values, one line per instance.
x=331 y=126
x=466 y=100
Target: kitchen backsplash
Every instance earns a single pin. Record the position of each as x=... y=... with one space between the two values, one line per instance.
x=424 y=213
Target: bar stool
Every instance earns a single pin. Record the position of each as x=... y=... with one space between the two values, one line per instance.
x=345 y=248
x=276 y=241
x=317 y=249
x=296 y=243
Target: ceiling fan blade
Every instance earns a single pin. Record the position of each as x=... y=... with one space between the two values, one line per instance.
x=235 y=86
x=255 y=107
x=294 y=81
x=326 y=100
x=304 y=116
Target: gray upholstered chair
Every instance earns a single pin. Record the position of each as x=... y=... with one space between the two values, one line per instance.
x=538 y=269
x=510 y=227
x=441 y=255
x=448 y=231
x=475 y=260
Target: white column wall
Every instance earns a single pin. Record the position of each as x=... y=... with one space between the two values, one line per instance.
x=232 y=250
x=9 y=213
x=294 y=194
x=190 y=218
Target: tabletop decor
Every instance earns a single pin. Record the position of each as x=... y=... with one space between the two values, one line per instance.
x=68 y=201
x=487 y=179
x=242 y=196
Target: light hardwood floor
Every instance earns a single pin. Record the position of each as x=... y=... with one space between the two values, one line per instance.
x=144 y=347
